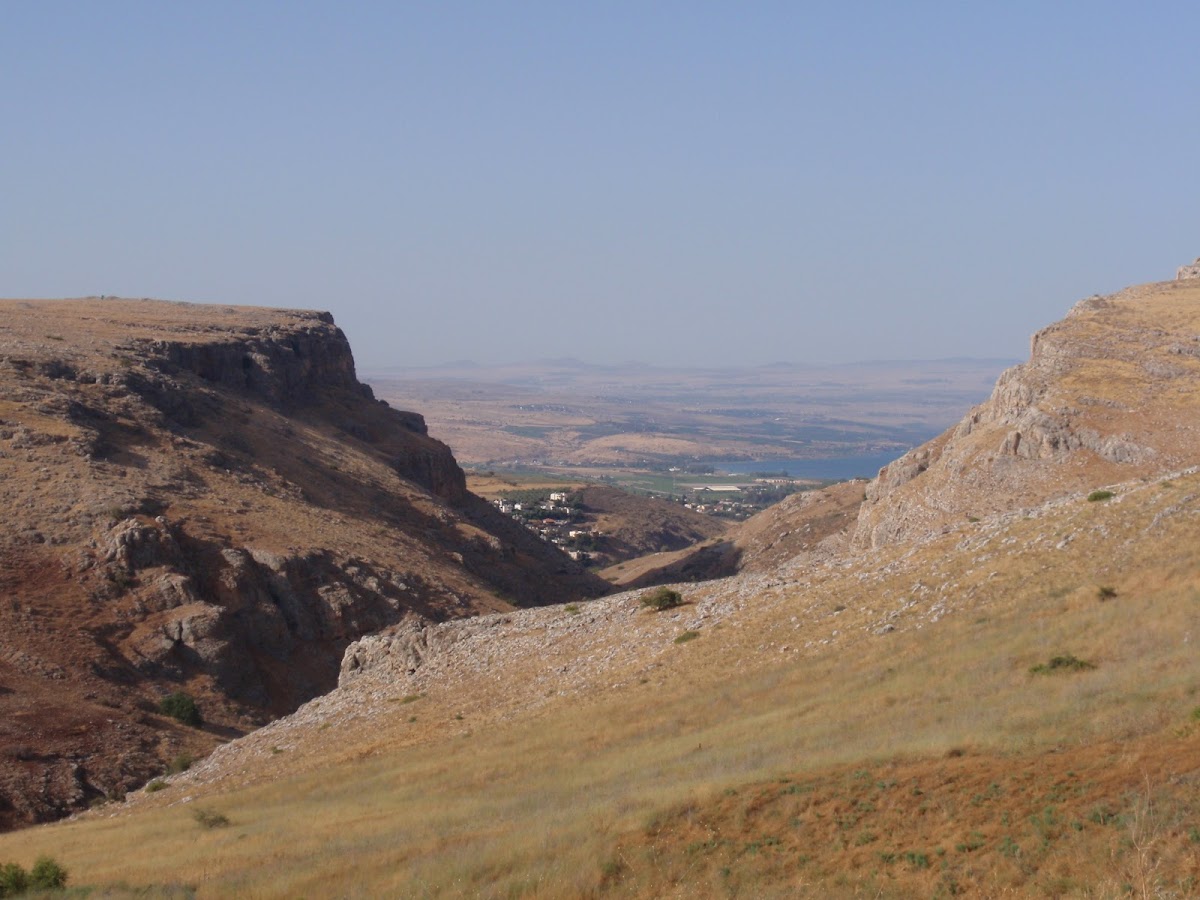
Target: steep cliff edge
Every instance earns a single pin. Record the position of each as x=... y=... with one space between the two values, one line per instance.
x=1108 y=394
x=206 y=499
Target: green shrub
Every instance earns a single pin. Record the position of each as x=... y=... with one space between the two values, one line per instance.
x=206 y=818
x=687 y=636
x=47 y=874
x=155 y=786
x=1099 y=495
x=1067 y=663
x=180 y=763
x=182 y=707
x=14 y=880
x=1104 y=592
x=660 y=599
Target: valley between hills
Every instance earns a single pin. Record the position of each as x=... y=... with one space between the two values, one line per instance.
x=974 y=675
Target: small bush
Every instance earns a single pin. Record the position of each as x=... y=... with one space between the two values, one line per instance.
x=572 y=608
x=180 y=763
x=155 y=786
x=1068 y=663
x=660 y=599
x=206 y=818
x=1099 y=495
x=687 y=636
x=47 y=874
x=182 y=707
x=1104 y=592
x=14 y=880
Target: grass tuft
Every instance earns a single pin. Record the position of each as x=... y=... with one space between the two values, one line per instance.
x=1065 y=663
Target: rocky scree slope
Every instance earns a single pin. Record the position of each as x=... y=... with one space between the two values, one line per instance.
x=1108 y=399
x=206 y=499
x=478 y=673
x=1109 y=393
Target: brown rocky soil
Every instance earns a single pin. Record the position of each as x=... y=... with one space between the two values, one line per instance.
x=205 y=498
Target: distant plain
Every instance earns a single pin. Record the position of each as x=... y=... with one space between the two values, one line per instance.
x=564 y=413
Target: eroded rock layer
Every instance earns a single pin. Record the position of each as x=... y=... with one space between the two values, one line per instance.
x=1108 y=394
x=205 y=499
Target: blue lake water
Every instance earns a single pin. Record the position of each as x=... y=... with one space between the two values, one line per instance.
x=839 y=468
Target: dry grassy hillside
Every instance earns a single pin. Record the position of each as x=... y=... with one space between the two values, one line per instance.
x=874 y=727
x=1000 y=705
x=205 y=498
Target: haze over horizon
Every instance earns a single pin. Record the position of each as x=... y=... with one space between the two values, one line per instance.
x=685 y=185
x=568 y=362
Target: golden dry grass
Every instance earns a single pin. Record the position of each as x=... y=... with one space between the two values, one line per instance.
x=581 y=796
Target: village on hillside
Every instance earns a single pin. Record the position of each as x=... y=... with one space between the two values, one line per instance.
x=560 y=517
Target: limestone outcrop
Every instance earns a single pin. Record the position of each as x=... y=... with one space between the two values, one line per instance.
x=1190 y=271
x=1102 y=399
x=206 y=499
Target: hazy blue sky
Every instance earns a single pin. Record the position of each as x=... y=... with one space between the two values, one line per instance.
x=687 y=182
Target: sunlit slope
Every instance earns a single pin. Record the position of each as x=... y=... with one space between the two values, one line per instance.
x=549 y=752
x=1109 y=393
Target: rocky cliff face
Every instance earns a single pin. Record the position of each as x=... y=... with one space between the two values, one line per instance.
x=1103 y=398
x=1186 y=272
x=206 y=499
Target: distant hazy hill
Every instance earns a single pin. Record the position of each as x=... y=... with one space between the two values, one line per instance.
x=566 y=412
